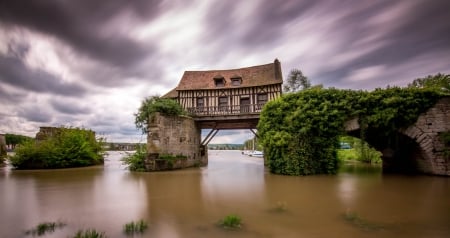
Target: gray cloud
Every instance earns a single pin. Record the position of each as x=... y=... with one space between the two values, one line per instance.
x=14 y=72
x=69 y=107
x=81 y=25
x=35 y=114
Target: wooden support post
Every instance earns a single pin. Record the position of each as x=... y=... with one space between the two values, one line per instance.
x=212 y=137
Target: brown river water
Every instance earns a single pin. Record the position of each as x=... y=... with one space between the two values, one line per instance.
x=357 y=202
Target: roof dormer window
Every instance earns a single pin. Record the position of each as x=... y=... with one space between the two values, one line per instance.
x=236 y=80
x=219 y=81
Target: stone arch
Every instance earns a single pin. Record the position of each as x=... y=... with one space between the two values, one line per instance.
x=417 y=148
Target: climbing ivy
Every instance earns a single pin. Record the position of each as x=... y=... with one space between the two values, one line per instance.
x=299 y=131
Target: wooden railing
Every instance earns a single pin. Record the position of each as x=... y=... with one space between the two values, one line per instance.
x=226 y=110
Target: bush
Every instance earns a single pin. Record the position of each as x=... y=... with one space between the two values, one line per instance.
x=136 y=160
x=69 y=147
x=154 y=104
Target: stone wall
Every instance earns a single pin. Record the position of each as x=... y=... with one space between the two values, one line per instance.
x=177 y=137
x=434 y=157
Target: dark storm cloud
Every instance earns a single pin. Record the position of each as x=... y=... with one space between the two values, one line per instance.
x=8 y=96
x=80 y=24
x=14 y=72
x=69 y=107
x=35 y=114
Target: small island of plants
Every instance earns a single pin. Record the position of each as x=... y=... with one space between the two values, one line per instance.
x=65 y=148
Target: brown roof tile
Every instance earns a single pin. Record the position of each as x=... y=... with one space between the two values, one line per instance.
x=251 y=76
x=171 y=94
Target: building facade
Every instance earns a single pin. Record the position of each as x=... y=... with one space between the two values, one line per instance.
x=228 y=92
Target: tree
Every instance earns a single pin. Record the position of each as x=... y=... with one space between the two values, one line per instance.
x=296 y=81
x=439 y=82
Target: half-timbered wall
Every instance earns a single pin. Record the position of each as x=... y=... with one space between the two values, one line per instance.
x=211 y=97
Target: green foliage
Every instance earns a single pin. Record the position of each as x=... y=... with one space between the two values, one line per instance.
x=136 y=160
x=231 y=222
x=300 y=131
x=137 y=227
x=440 y=82
x=12 y=139
x=89 y=233
x=296 y=81
x=70 y=147
x=361 y=151
x=154 y=104
x=445 y=138
x=45 y=227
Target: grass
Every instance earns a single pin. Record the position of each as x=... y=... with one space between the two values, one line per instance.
x=231 y=222
x=89 y=233
x=135 y=227
x=45 y=227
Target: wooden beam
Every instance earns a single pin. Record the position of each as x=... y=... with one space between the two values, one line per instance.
x=211 y=137
x=206 y=138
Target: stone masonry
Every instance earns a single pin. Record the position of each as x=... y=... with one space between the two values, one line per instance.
x=433 y=156
x=177 y=136
x=434 y=153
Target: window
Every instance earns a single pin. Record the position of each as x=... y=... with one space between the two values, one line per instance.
x=261 y=99
x=223 y=103
x=219 y=81
x=245 y=104
x=200 y=102
x=236 y=80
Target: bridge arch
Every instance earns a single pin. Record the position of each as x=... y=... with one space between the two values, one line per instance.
x=417 y=148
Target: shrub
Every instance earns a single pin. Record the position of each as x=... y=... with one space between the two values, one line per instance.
x=69 y=147
x=154 y=104
x=136 y=160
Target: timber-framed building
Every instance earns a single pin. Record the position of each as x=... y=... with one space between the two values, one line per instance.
x=233 y=95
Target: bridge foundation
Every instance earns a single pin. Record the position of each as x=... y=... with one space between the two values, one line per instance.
x=174 y=142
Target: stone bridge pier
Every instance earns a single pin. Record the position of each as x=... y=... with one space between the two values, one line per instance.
x=173 y=142
x=420 y=148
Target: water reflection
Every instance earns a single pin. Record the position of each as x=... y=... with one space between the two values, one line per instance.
x=188 y=203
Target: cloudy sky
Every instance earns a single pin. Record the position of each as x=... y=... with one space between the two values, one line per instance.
x=91 y=63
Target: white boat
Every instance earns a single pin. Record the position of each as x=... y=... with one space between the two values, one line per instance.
x=257 y=153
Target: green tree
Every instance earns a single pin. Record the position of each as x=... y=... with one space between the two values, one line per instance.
x=296 y=81
x=153 y=104
x=439 y=82
x=13 y=139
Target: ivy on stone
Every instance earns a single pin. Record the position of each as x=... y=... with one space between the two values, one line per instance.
x=300 y=131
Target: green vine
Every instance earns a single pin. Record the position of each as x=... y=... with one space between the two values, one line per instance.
x=300 y=131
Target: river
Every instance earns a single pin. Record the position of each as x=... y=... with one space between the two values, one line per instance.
x=357 y=202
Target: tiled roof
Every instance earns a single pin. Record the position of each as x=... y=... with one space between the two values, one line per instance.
x=171 y=94
x=251 y=76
